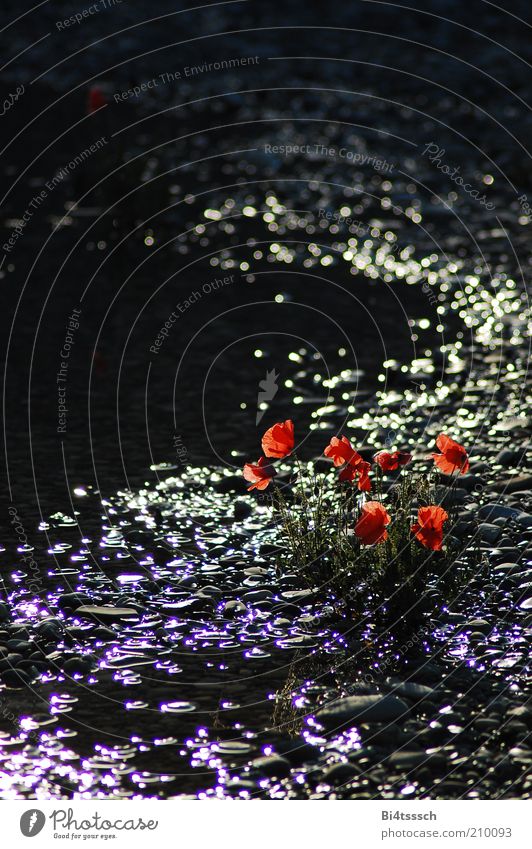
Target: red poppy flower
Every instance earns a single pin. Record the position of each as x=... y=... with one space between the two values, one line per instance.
x=453 y=456
x=429 y=526
x=96 y=99
x=278 y=441
x=371 y=527
x=341 y=451
x=389 y=462
x=259 y=474
x=358 y=472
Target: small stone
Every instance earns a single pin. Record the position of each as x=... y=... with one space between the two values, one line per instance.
x=427 y=672
x=33 y=666
x=462 y=529
x=472 y=482
x=452 y=789
x=20 y=646
x=515 y=483
x=412 y=691
x=232 y=483
x=128 y=661
x=497 y=511
x=71 y=601
x=451 y=495
x=232 y=608
x=476 y=637
x=255 y=571
x=15 y=678
x=362 y=709
x=104 y=633
x=77 y=665
x=410 y=759
x=187 y=581
x=489 y=533
x=515 y=729
x=521 y=754
x=483 y=723
x=507 y=457
x=526 y=604
x=479 y=625
x=297 y=595
x=510 y=568
x=236 y=786
x=50 y=628
x=522 y=712
x=340 y=773
x=106 y=614
x=256 y=595
x=298 y=752
x=273 y=766
x=207 y=592
x=241 y=509
x=524 y=520
x=13 y=659
x=298 y=642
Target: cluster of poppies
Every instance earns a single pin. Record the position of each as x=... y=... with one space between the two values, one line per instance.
x=428 y=530
x=278 y=442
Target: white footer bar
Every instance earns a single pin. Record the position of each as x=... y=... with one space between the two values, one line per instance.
x=241 y=825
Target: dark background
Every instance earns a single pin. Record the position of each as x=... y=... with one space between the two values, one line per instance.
x=458 y=73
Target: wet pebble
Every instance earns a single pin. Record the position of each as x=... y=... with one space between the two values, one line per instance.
x=106 y=614
x=493 y=511
x=412 y=691
x=489 y=532
x=274 y=766
x=358 y=709
x=242 y=509
x=71 y=601
x=340 y=773
x=77 y=665
x=16 y=678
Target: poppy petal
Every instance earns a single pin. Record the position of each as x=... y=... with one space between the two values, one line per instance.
x=278 y=441
x=371 y=526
